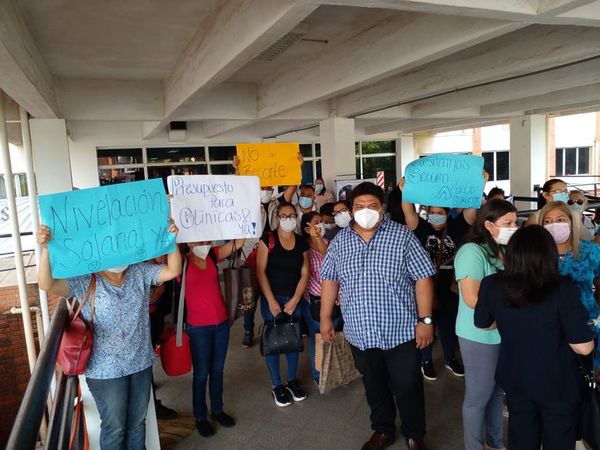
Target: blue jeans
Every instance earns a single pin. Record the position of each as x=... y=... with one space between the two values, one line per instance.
x=209 y=350
x=249 y=322
x=122 y=403
x=445 y=320
x=484 y=399
x=313 y=329
x=273 y=360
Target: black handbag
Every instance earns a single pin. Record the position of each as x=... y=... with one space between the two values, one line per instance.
x=315 y=308
x=590 y=409
x=281 y=335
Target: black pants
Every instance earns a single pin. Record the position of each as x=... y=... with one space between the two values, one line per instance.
x=531 y=424
x=390 y=375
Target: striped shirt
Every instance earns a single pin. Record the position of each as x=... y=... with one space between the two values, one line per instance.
x=377 y=283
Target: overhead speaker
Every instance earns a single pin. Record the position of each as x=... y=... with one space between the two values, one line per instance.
x=177 y=131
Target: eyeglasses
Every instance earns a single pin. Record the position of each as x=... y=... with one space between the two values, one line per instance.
x=343 y=210
x=290 y=216
x=559 y=191
x=579 y=202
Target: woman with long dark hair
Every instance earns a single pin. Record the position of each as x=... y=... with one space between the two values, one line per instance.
x=543 y=325
x=480 y=256
x=283 y=272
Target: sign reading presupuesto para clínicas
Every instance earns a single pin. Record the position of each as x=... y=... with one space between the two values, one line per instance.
x=99 y=228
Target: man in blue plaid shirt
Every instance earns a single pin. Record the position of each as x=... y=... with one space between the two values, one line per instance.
x=384 y=281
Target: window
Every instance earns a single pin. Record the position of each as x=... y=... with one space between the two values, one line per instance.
x=572 y=161
x=121 y=165
x=375 y=156
x=20 y=185
x=497 y=164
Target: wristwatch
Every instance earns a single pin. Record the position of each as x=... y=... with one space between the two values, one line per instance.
x=427 y=320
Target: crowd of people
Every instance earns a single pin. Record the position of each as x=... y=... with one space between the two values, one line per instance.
x=513 y=307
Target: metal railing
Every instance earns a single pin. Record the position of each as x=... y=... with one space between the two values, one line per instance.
x=33 y=410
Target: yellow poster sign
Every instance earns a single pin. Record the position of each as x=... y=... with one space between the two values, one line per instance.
x=275 y=164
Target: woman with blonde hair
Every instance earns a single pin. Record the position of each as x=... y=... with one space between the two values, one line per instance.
x=577 y=259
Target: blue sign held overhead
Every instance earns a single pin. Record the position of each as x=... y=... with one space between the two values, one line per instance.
x=452 y=181
x=99 y=228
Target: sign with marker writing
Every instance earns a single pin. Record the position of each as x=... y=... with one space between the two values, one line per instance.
x=99 y=228
x=274 y=164
x=215 y=208
x=452 y=181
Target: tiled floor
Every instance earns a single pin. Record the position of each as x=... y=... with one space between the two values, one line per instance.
x=336 y=420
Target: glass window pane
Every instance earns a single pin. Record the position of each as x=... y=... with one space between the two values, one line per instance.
x=370 y=148
x=306 y=150
x=21 y=182
x=570 y=161
x=502 y=166
x=2 y=188
x=319 y=171
x=358 y=172
x=307 y=173
x=114 y=176
x=112 y=156
x=357 y=148
x=558 y=167
x=317 y=149
x=584 y=161
x=164 y=171
x=222 y=169
x=177 y=154
x=488 y=164
x=225 y=153
x=386 y=163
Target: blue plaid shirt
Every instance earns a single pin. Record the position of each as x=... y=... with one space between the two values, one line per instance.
x=377 y=283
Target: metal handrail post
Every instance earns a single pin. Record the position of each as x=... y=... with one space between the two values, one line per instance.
x=25 y=430
x=16 y=237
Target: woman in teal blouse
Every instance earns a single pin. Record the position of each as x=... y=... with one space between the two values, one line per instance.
x=480 y=256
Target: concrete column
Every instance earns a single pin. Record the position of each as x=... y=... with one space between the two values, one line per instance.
x=337 y=150
x=50 y=148
x=528 y=155
x=405 y=153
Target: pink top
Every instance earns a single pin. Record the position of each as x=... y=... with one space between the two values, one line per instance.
x=203 y=297
x=314 y=282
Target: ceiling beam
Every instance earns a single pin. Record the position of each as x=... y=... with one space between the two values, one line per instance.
x=234 y=34
x=556 y=101
x=228 y=101
x=568 y=77
x=524 y=51
x=24 y=75
x=414 y=125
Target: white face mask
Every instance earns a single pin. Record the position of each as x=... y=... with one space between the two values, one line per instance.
x=266 y=196
x=329 y=226
x=118 y=269
x=505 y=235
x=288 y=224
x=342 y=219
x=201 y=251
x=366 y=218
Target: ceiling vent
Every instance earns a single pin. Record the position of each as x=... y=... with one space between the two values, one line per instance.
x=283 y=44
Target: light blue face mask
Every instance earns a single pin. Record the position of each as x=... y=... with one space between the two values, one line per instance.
x=561 y=197
x=305 y=202
x=437 y=219
x=577 y=208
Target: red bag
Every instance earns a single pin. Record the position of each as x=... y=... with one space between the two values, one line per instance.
x=251 y=261
x=175 y=360
x=78 y=337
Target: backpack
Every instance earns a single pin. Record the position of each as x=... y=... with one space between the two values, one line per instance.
x=251 y=260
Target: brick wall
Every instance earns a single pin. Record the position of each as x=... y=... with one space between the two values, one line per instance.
x=14 y=366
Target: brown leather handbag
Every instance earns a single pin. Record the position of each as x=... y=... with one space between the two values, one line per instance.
x=78 y=337
x=240 y=296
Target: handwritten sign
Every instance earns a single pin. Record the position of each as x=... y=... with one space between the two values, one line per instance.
x=99 y=228
x=274 y=164
x=214 y=208
x=453 y=181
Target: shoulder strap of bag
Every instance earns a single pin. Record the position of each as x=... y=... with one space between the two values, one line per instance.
x=90 y=292
x=233 y=259
x=179 y=332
